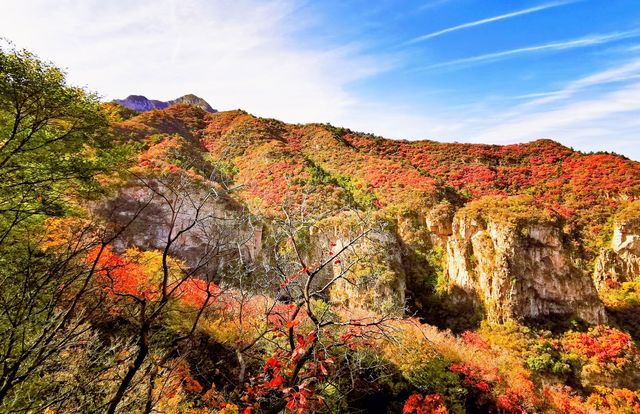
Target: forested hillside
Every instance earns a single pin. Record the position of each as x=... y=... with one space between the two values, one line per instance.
x=183 y=260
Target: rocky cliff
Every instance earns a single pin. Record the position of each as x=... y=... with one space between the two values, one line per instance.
x=620 y=260
x=371 y=272
x=209 y=228
x=512 y=257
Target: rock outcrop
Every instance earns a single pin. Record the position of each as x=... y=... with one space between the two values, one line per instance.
x=620 y=261
x=140 y=103
x=373 y=275
x=213 y=230
x=438 y=221
x=191 y=99
x=513 y=259
x=367 y=269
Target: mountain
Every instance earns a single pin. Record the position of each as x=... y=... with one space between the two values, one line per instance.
x=140 y=103
x=543 y=212
x=189 y=261
x=529 y=251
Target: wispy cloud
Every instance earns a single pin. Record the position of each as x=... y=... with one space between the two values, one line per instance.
x=622 y=73
x=600 y=111
x=488 y=20
x=578 y=122
x=592 y=40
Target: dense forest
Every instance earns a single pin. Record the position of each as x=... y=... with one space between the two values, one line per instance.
x=180 y=260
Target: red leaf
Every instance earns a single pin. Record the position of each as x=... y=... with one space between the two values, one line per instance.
x=271 y=362
x=301 y=341
x=311 y=337
x=297 y=353
x=303 y=400
x=275 y=382
x=323 y=369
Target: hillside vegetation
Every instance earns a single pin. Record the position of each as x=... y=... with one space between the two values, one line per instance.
x=179 y=260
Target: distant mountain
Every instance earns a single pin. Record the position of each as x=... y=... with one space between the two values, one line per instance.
x=141 y=103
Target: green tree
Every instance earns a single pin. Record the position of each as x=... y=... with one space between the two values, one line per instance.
x=54 y=139
x=54 y=143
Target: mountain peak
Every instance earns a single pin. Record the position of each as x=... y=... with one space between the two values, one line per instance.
x=140 y=103
x=191 y=99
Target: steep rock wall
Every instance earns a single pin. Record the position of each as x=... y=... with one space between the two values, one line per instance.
x=376 y=280
x=620 y=261
x=513 y=258
x=367 y=269
x=214 y=229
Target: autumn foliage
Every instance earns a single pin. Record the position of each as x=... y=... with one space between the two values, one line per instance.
x=295 y=366
x=291 y=223
x=424 y=404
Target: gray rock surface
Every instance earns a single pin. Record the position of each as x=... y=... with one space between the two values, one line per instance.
x=519 y=270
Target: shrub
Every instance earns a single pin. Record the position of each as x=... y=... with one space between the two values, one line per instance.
x=427 y=404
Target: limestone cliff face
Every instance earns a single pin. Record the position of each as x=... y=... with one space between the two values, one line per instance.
x=214 y=229
x=376 y=281
x=439 y=221
x=513 y=259
x=367 y=270
x=620 y=261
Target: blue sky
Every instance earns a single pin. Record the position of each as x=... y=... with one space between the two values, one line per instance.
x=449 y=70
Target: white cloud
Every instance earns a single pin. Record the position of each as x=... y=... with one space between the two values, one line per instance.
x=597 y=112
x=249 y=54
x=626 y=72
x=543 y=122
x=235 y=54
